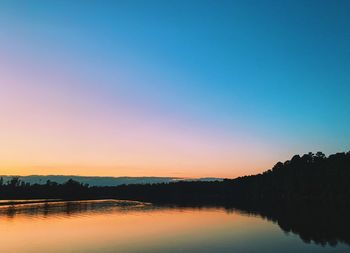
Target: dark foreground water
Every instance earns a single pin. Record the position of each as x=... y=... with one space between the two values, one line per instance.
x=121 y=226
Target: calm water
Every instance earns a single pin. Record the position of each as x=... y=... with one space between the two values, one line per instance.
x=119 y=226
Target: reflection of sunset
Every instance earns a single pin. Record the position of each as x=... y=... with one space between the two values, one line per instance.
x=121 y=230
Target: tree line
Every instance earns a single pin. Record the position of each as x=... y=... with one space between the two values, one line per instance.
x=308 y=195
x=310 y=178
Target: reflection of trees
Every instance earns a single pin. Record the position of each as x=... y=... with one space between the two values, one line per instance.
x=320 y=224
x=71 y=208
x=315 y=188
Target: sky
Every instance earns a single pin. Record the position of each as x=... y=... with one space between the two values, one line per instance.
x=171 y=88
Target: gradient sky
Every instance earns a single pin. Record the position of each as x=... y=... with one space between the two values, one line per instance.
x=171 y=88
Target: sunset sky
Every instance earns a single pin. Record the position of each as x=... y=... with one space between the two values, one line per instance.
x=171 y=88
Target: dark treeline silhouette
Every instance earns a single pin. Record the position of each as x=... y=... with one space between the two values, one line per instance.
x=308 y=195
x=311 y=178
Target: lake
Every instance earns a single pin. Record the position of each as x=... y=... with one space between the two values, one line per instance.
x=125 y=226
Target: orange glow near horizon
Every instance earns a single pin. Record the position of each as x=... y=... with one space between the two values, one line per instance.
x=125 y=89
x=55 y=122
x=118 y=172
x=46 y=132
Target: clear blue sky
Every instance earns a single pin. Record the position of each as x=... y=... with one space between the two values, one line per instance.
x=268 y=78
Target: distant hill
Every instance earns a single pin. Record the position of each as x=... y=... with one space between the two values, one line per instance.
x=102 y=181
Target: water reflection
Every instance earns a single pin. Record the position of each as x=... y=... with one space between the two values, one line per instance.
x=43 y=208
x=126 y=226
x=326 y=225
